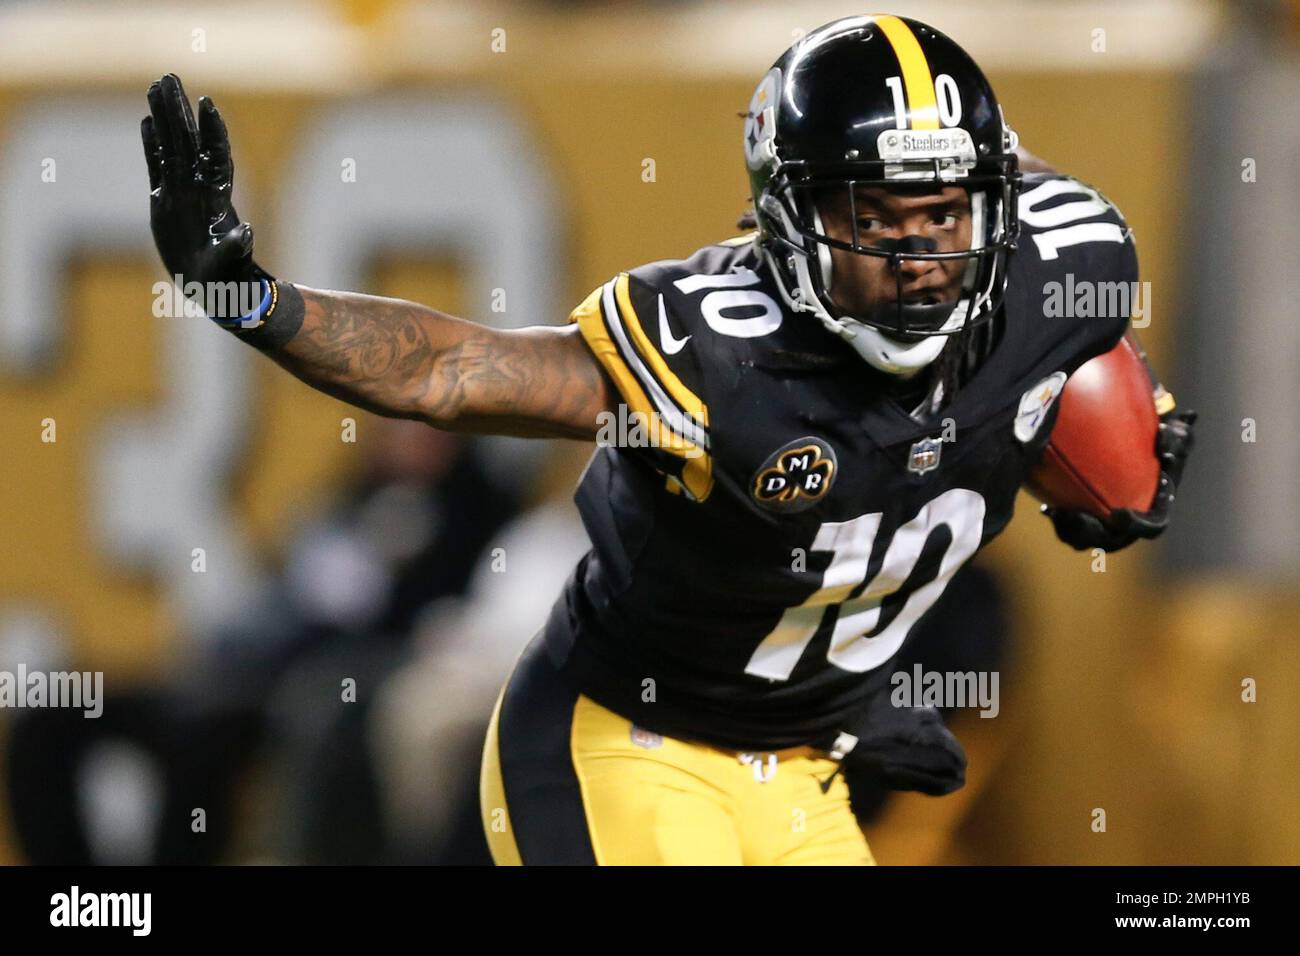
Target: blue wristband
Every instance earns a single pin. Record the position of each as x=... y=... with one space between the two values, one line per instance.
x=255 y=318
x=275 y=321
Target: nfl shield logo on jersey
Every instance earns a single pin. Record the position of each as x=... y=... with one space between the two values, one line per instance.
x=925 y=456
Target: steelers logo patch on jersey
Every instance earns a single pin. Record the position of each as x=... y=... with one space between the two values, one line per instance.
x=795 y=476
x=1035 y=404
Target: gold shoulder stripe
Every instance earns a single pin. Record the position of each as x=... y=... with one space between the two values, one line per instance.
x=917 y=81
x=697 y=474
x=696 y=481
x=686 y=400
x=592 y=323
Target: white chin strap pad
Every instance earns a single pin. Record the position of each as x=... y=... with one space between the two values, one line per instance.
x=891 y=355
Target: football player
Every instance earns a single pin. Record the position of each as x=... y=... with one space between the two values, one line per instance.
x=827 y=420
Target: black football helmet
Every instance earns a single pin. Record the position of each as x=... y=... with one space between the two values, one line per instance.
x=881 y=101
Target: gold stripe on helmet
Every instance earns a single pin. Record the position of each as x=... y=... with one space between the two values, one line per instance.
x=918 y=84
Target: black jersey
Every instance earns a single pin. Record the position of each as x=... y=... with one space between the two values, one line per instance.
x=770 y=523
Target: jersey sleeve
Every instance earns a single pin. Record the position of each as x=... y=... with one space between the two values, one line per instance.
x=660 y=417
x=1083 y=265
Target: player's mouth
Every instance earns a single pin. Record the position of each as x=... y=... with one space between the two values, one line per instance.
x=931 y=296
x=923 y=311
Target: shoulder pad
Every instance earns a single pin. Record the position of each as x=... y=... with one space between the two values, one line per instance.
x=1061 y=217
x=1073 y=282
x=633 y=329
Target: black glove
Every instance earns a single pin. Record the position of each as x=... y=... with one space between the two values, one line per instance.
x=903 y=748
x=1083 y=531
x=198 y=233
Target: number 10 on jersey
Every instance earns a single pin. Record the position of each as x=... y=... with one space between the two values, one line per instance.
x=850 y=544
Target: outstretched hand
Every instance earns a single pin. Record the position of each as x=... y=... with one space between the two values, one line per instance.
x=191 y=177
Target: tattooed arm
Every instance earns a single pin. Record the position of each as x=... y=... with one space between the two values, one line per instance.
x=391 y=357
x=404 y=360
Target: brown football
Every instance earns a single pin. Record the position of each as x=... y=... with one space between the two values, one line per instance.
x=1102 y=451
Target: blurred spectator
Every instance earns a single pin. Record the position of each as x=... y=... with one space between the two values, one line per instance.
x=407 y=532
x=428 y=728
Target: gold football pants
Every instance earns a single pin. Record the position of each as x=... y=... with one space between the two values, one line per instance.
x=567 y=781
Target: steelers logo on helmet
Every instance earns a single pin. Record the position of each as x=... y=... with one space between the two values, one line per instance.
x=884 y=109
x=760 y=122
x=795 y=476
